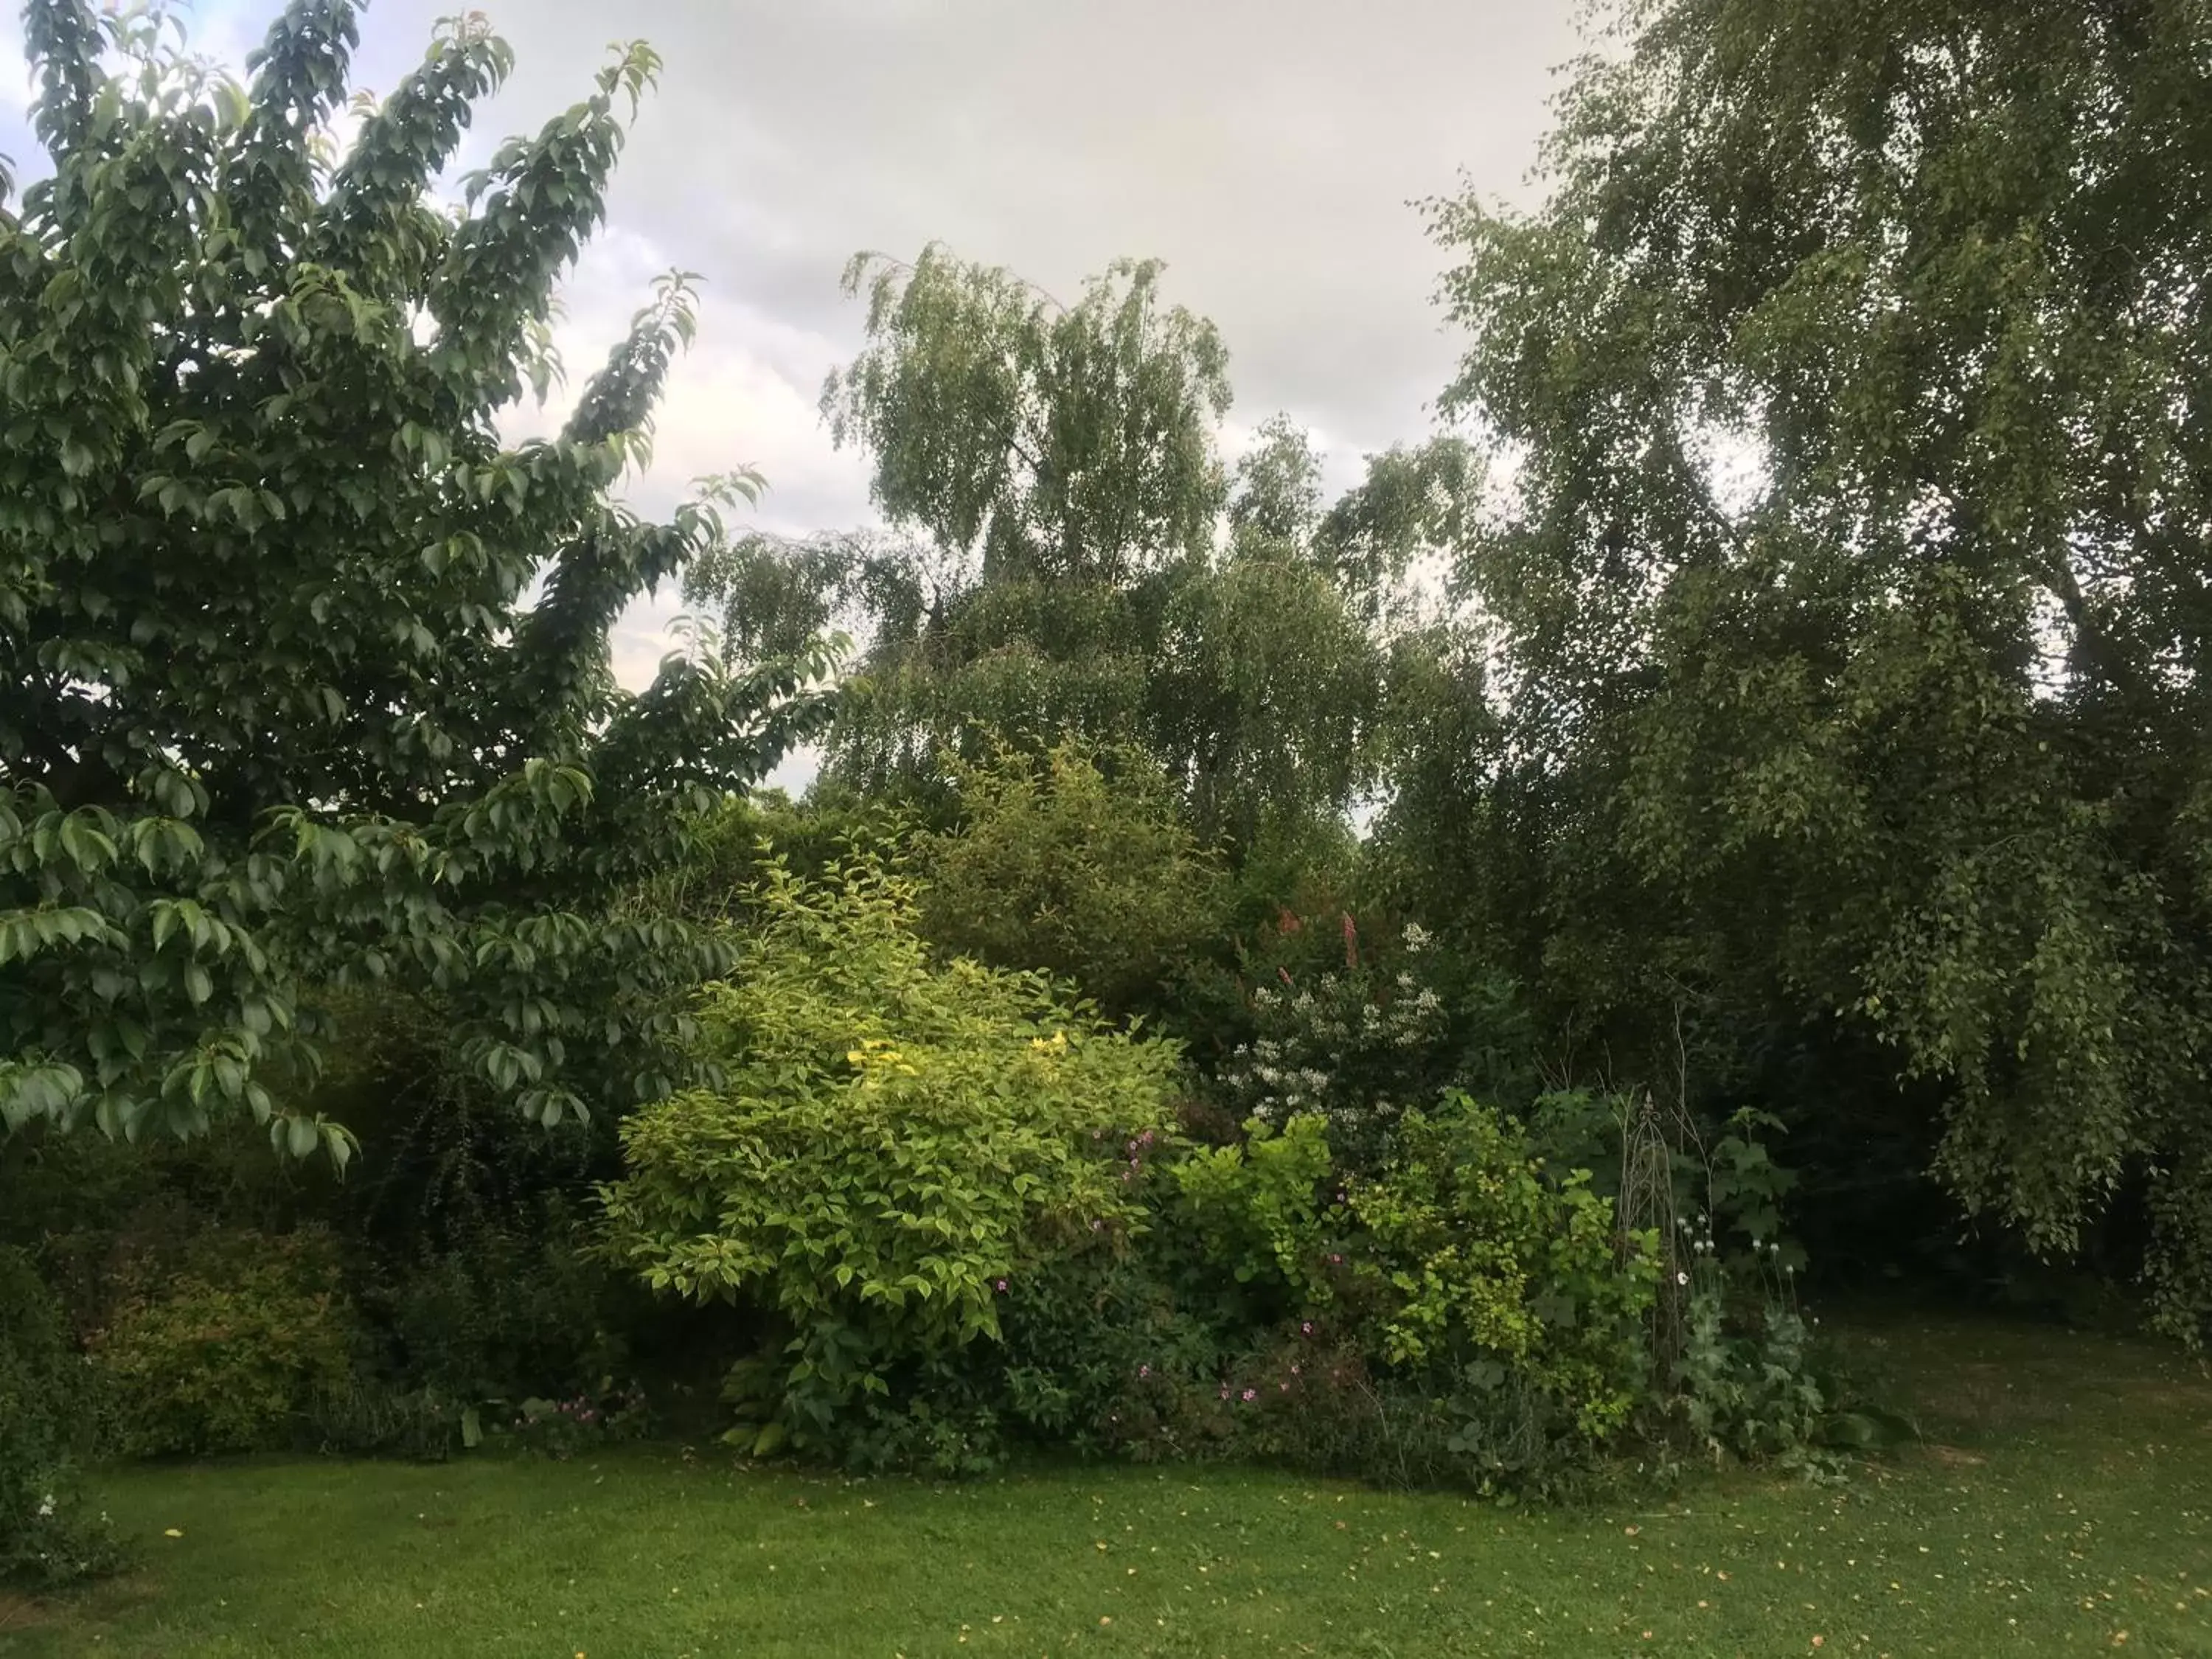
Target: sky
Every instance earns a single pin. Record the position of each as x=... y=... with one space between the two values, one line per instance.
x=1268 y=150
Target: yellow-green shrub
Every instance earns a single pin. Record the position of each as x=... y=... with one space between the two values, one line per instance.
x=1505 y=1286
x=895 y=1142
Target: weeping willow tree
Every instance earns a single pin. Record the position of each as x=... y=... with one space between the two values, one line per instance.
x=1853 y=599
x=1068 y=557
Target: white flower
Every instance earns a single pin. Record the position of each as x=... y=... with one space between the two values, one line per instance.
x=1416 y=937
x=47 y=1507
x=1682 y=1278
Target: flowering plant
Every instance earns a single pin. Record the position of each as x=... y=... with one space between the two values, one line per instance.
x=1353 y=1045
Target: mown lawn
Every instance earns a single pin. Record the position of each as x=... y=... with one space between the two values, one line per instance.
x=2064 y=1504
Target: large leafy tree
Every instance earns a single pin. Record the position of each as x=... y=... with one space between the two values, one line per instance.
x=304 y=679
x=1853 y=600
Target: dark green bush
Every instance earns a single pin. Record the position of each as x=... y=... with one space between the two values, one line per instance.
x=46 y=1539
x=362 y=1415
x=509 y=1314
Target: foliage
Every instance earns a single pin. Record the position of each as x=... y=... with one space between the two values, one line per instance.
x=1368 y=1035
x=559 y=1429
x=1046 y=440
x=896 y=1142
x=1459 y=1315
x=362 y=1415
x=1264 y=693
x=227 y=1355
x=1260 y=1210
x=1850 y=641
x=509 y=1314
x=1750 y=1393
x=1352 y=1044
x=46 y=1539
x=1508 y=1286
x=277 y=709
x=1078 y=865
x=1068 y=558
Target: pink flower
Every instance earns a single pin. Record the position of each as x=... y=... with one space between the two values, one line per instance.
x=1294 y=1370
x=1251 y=1394
x=1225 y=1395
x=1305 y=1328
x=1002 y=1285
x=1143 y=1371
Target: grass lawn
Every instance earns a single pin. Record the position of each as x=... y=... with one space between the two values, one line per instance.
x=2064 y=1504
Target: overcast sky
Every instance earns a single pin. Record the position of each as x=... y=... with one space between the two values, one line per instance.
x=1266 y=149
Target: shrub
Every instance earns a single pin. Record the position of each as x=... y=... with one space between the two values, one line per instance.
x=896 y=1143
x=1087 y=873
x=510 y=1315
x=227 y=1355
x=1731 y=1349
x=1259 y=1211
x=45 y=1540
x=1746 y=1387
x=1505 y=1290
x=1116 y=1347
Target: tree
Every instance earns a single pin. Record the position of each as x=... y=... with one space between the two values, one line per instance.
x=279 y=710
x=1852 y=598
x=1068 y=558
x=1047 y=441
